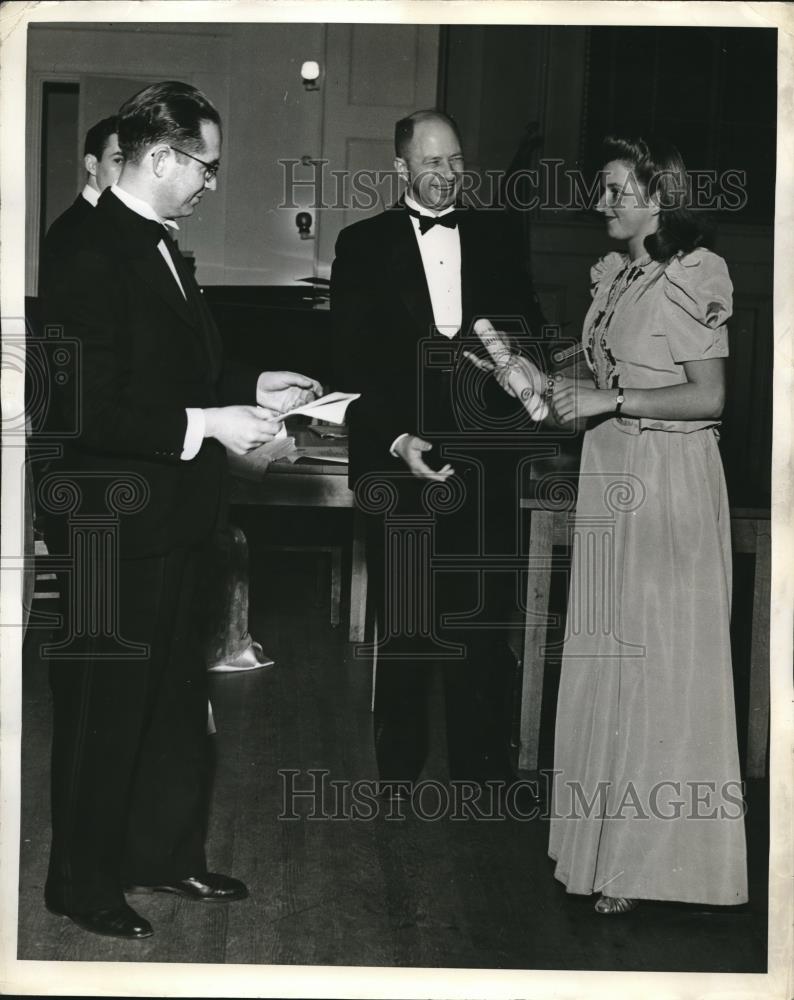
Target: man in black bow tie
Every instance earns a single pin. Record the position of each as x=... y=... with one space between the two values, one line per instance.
x=145 y=485
x=406 y=287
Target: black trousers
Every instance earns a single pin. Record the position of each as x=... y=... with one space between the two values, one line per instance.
x=425 y=567
x=130 y=747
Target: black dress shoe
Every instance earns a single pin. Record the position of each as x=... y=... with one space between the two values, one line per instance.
x=119 y=921
x=206 y=888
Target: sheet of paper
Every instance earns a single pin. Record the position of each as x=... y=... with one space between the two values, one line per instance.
x=324 y=455
x=331 y=407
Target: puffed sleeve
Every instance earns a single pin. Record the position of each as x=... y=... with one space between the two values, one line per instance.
x=698 y=300
x=605 y=270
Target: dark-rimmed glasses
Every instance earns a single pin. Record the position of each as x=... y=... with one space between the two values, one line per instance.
x=210 y=169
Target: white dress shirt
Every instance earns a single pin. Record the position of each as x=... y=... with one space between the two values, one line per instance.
x=439 y=249
x=91 y=195
x=196 y=425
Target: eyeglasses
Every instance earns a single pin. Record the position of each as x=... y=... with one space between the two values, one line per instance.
x=210 y=169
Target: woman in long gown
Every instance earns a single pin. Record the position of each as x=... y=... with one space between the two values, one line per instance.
x=647 y=799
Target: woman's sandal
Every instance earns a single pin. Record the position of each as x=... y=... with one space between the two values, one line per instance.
x=614 y=905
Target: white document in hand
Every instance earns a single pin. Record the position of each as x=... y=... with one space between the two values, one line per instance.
x=524 y=378
x=331 y=408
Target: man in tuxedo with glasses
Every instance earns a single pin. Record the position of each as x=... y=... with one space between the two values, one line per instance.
x=157 y=409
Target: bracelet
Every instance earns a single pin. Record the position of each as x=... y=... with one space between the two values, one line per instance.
x=619 y=401
x=549 y=387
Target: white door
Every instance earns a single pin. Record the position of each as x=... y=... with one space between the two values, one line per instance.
x=375 y=75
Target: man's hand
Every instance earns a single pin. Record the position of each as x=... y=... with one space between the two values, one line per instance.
x=240 y=429
x=284 y=391
x=411 y=449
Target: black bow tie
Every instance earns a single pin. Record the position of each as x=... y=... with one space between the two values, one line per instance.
x=426 y=222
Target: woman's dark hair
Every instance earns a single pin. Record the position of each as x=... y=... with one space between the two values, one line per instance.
x=171 y=112
x=659 y=168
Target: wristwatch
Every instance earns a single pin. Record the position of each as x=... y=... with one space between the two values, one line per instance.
x=619 y=401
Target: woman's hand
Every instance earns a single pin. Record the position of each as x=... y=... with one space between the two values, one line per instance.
x=573 y=401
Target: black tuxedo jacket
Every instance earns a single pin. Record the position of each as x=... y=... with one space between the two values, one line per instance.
x=382 y=313
x=144 y=354
x=62 y=238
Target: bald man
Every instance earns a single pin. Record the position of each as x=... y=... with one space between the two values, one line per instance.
x=406 y=288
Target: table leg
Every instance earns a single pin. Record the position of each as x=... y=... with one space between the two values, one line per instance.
x=758 y=722
x=336 y=583
x=358 y=580
x=541 y=540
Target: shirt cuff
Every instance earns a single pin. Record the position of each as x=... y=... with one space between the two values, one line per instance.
x=394 y=444
x=194 y=435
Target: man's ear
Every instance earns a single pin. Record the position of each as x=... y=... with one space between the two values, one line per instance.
x=402 y=168
x=159 y=157
x=90 y=163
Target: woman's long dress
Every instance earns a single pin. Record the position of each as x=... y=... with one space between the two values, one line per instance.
x=647 y=798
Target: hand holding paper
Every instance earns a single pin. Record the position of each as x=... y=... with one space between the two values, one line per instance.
x=254 y=464
x=283 y=391
x=240 y=429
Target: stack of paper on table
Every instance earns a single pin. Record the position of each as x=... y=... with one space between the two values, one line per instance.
x=330 y=408
x=254 y=464
x=333 y=454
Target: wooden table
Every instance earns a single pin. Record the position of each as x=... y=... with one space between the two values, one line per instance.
x=750 y=532
x=309 y=483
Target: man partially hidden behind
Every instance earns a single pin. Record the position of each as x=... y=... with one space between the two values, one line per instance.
x=103 y=162
x=430 y=454
x=147 y=480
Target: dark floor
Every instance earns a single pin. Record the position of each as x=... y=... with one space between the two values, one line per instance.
x=378 y=892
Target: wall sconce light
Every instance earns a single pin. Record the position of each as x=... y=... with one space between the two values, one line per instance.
x=303 y=221
x=310 y=74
